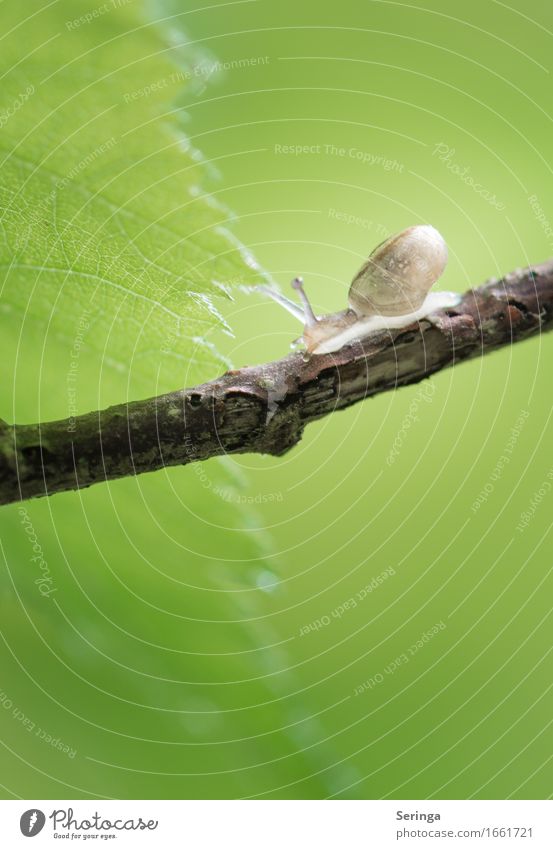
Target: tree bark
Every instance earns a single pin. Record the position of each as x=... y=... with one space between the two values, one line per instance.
x=264 y=409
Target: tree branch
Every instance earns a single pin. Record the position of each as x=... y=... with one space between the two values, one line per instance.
x=264 y=409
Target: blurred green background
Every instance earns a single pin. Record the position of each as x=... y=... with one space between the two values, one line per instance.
x=202 y=645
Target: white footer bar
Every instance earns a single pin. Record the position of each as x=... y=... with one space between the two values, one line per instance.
x=278 y=824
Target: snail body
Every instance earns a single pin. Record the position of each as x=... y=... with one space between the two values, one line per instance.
x=390 y=291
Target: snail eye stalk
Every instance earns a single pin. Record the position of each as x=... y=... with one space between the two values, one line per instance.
x=310 y=317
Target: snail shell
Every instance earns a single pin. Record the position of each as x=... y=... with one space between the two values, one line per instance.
x=399 y=273
x=391 y=290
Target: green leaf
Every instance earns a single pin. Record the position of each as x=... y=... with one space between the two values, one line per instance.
x=107 y=235
x=157 y=658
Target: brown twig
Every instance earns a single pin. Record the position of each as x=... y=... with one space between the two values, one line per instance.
x=264 y=409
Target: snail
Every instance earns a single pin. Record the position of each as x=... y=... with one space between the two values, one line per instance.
x=390 y=291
